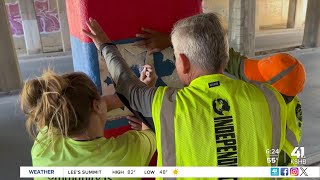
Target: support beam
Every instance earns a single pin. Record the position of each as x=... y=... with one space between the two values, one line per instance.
x=64 y=27
x=30 y=27
x=242 y=26
x=257 y=19
x=9 y=70
x=311 y=37
x=291 y=14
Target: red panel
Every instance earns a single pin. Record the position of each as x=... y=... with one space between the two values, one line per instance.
x=114 y=132
x=122 y=19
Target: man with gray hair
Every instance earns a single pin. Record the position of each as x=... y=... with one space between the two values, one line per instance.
x=213 y=120
x=206 y=47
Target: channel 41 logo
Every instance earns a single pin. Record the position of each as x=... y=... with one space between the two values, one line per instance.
x=274 y=171
x=299 y=153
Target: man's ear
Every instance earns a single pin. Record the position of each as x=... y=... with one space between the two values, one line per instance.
x=185 y=64
x=96 y=106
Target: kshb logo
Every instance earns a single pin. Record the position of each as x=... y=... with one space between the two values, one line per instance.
x=299 y=153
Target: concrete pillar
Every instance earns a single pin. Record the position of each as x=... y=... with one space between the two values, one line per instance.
x=242 y=26
x=9 y=70
x=30 y=27
x=291 y=14
x=311 y=37
x=258 y=17
x=64 y=27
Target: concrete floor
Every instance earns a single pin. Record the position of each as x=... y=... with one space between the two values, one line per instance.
x=311 y=104
x=15 y=142
x=16 y=145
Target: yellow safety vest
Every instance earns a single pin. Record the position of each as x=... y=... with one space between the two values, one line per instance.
x=218 y=121
x=293 y=122
x=293 y=130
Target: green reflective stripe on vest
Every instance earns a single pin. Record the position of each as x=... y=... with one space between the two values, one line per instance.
x=275 y=115
x=167 y=128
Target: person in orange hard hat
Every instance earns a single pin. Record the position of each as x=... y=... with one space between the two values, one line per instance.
x=286 y=74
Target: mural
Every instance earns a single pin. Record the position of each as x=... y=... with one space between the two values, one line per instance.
x=47 y=17
x=14 y=18
x=137 y=57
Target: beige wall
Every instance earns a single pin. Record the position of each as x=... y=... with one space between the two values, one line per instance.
x=272 y=12
x=219 y=6
x=301 y=13
x=51 y=42
x=268 y=12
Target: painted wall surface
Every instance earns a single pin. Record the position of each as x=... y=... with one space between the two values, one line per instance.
x=269 y=13
x=48 y=23
x=136 y=57
x=121 y=27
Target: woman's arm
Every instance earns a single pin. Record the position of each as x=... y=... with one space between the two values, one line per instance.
x=148 y=76
x=136 y=95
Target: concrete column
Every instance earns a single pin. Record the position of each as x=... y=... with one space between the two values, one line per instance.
x=291 y=14
x=30 y=27
x=257 y=20
x=311 y=37
x=9 y=70
x=64 y=27
x=242 y=26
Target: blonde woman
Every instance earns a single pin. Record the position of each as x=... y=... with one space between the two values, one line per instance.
x=66 y=116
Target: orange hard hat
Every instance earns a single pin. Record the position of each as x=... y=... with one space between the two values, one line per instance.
x=284 y=72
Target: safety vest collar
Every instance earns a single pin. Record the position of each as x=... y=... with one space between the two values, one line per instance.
x=204 y=80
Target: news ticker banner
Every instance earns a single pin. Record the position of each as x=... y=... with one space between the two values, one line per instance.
x=195 y=172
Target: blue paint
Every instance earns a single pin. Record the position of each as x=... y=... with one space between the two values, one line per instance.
x=108 y=81
x=163 y=68
x=135 y=70
x=116 y=123
x=160 y=82
x=127 y=41
x=85 y=59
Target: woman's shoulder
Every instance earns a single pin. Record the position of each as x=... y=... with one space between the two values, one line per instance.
x=136 y=136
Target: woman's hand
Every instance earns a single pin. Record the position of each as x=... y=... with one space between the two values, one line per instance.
x=152 y=40
x=96 y=33
x=136 y=124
